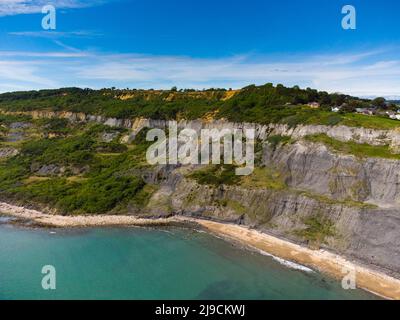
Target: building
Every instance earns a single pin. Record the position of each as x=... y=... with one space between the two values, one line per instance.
x=366 y=111
x=393 y=115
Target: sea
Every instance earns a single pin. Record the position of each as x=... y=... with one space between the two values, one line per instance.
x=170 y=263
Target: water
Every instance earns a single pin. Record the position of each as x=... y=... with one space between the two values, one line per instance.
x=134 y=263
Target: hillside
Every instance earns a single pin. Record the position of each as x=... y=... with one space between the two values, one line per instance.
x=322 y=179
x=263 y=104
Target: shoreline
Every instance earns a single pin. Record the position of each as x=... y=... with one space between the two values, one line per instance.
x=325 y=262
x=322 y=261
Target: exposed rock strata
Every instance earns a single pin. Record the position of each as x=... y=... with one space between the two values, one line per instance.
x=318 y=181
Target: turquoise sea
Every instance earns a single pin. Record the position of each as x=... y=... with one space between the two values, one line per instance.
x=140 y=263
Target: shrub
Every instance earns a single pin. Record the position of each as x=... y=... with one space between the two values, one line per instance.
x=277 y=140
x=217 y=175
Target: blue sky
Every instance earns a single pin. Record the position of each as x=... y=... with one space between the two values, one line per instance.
x=201 y=44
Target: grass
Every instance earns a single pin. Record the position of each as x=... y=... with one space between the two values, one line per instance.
x=320 y=117
x=318 y=228
x=142 y=198
x=324 y=199
x=34 y=179
x=234 y=205
x=370 y=122
x=306 y=116
x=216 y=175
x=357 y=149
x=264 y=178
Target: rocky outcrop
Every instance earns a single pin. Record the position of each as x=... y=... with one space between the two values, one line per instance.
x=315 y=168
x=8 y=152
x=320 y=183
x=342 y=133
x=53 y=170
x=367 y=234
x=20 y=125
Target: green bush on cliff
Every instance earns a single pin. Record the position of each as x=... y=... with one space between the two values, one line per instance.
x=101 y=194
x=277 y=140
x=216 y=175
x=318 y=228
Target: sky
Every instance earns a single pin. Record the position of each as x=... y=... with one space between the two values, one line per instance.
x=201 y=44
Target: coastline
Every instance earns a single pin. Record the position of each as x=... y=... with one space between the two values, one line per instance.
x=59 y=221
x=326 y=262
x=321 y=260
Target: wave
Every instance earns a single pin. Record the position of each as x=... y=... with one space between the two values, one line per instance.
x=286 y=263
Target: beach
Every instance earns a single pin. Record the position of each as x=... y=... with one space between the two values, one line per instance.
x=321 y=260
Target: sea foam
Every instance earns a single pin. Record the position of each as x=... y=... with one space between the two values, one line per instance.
x=286 y=263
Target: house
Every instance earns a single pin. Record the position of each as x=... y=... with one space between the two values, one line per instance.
x=367 y=111
x=393 y=116
x=314 y=105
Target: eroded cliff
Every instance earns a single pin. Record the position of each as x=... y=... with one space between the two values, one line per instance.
x=302 y=190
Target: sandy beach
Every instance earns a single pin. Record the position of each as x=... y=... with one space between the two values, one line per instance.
x=323 y=261
x=320 y=260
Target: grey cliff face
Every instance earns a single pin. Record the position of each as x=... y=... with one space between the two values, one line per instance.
x=359 y=199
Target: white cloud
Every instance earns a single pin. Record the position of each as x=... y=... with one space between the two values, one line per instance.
x=55 y=34
x=28 y=54
x=362 y=74
x=22 y=75
x=15 y=7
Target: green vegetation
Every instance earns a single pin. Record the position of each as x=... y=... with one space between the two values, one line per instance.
x=8 y=119
x=353 y=148
x=55 y=126
x=277 y=140
x=216 y=175
x=260 y=104
x=73 y=175
x=330 y=201
x=264 y=178
x=83 y=168
x=234 y=205
x=370 y=122
x=318 y=228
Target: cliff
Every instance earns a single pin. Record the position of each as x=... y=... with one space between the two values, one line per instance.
x=321 y=188
x=340 y=132
x=303 y=191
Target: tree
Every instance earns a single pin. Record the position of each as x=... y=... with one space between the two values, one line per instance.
x=347 y=108
x=379 y=102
